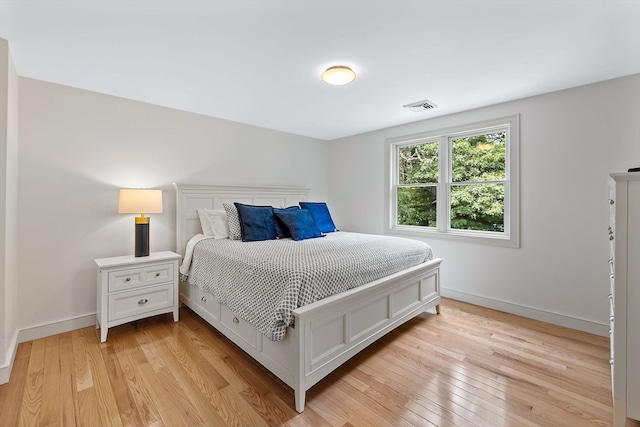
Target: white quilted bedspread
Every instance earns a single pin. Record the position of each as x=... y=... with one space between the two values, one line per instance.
x=263 y=282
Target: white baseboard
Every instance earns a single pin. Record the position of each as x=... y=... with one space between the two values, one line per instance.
x=61 y=326
x=589 y=326
x=5 y=369
x=41 y=331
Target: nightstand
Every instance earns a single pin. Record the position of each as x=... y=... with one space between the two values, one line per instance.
x=132 y=288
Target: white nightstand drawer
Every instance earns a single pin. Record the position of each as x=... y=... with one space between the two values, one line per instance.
x=131 y=278
x=135 y=303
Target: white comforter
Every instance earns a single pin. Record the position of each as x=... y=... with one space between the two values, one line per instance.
x=263 y=282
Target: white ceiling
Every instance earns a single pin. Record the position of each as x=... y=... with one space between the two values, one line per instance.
x=259 y=62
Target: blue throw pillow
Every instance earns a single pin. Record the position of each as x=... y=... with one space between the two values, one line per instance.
x=256 y=222
x=281 y=230
x=320 y=213
x=300 y=224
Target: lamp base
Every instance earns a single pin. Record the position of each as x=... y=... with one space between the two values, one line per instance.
x=142 y=239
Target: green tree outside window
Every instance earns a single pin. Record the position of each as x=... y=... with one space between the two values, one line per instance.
x=477 y=184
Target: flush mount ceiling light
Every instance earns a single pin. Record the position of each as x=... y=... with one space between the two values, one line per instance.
x=338 y=75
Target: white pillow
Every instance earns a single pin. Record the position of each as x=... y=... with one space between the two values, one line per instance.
x=214 y=223
x=205 y=224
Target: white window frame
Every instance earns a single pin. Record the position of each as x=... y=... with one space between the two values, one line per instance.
x=511 y=235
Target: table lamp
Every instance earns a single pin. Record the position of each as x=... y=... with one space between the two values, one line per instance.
x=142 y=202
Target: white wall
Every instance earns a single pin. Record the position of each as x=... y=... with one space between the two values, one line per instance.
x=8 y=210
x=570 y=141
x=78 y=148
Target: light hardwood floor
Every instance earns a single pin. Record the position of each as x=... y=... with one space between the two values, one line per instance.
x=468 y=366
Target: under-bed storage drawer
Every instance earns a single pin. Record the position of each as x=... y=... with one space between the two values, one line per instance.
x=239 y=326
x=206 y=301
x=200 y=301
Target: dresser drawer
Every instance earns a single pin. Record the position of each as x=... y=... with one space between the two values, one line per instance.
x=131 y=278
x=612 y=286
x=239 y=326
x=139 y=302
x=612 y=303
x=612 y=332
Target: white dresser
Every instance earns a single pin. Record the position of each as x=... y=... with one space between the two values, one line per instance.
x=132 y=288
x=624 y=238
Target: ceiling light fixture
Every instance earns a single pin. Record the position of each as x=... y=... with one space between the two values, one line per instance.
x=338 y=75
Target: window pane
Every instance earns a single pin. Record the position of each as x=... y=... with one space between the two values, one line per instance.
x=418 y=164
x=479 y=157
x=417 y=206
x=478 y=207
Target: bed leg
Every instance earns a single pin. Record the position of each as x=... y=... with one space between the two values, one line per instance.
x=437 y=308
x=300 y=395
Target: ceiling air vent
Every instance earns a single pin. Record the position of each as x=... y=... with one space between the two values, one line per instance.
x=420 y=106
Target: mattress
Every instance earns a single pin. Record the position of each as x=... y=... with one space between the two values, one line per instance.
x=263 y=282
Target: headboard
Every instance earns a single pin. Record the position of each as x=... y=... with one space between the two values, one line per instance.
x=190 y=197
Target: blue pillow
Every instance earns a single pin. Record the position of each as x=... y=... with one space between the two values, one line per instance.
x=256 y=222
x=320 y=213
x=281 y=230
x=300 y=224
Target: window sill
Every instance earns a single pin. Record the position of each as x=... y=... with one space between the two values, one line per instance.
x=480 y=238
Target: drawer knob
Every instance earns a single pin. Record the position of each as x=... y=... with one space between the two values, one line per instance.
x=611 y=319
x=236 y=320
x=204 y=299
x=128 y=279
x=610 y=296
x=611 y=362
x=611 y=201
x=143 y=301
x=157 y=274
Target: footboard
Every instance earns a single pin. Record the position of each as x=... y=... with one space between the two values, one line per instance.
x=328 y=332
x=332 y=330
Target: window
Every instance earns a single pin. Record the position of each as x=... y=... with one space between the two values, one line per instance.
x=460 y=182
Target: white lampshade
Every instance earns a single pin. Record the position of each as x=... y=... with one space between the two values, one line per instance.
x=140 y=201
x=338 y=75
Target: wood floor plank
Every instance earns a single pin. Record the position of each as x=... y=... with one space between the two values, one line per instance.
x=135 y=397
x=84 y=380
x=11 y=394
x=196 y=389
x=469 y=366
x=30 y=411
x=67 y=381
x=171 y=396
x=107 y=405
x=51 y=407
x=87 y=413
x=207 y=379
x=124 y=400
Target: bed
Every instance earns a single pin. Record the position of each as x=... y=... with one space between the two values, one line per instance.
x=323 y=334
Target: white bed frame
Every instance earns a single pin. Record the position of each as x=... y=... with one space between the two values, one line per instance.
x=326 y=333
